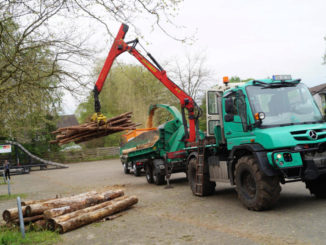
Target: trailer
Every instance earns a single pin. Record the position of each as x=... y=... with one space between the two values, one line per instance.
x=159 y=151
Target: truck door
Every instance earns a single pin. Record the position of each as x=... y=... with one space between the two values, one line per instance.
x=236 y=119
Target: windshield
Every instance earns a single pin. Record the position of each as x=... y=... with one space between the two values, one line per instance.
x=284 y=105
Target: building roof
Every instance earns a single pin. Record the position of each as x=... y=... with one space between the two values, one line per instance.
x=67 y=120
x=318 y=89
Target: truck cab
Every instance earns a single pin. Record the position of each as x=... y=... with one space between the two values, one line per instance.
x=266 y=132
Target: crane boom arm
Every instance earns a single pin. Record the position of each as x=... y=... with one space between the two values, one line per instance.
x=119 y=46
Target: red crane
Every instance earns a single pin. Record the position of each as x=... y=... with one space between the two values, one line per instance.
x=120 y=46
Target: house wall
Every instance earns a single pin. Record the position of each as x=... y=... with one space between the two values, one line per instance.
x=321 y=102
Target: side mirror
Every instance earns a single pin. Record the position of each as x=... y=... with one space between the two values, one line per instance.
x=229 y=105
x=229 y=118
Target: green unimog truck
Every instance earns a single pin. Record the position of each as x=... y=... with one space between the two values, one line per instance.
x=260 y=134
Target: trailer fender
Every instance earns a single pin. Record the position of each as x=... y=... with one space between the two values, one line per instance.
x=159 y=166
x=257 y=151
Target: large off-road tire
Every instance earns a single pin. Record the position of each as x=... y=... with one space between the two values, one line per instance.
x=149 y=173
x=125 y=168
x=317 y=187
x=208 y=186
x=158 y=178
x=136 y=170
x=256 y=190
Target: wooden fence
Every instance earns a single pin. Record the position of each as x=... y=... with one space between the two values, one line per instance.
x=84 y=155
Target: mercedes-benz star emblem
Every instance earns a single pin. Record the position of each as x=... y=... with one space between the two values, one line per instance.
x=313 y=135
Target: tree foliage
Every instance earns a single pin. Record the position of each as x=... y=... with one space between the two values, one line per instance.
x=236 y=79
x=44 y=50
x=129 y=88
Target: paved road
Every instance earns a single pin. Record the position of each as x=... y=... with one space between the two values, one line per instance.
x=175 y=216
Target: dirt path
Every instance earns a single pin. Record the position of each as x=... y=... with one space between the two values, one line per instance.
x=175 y=216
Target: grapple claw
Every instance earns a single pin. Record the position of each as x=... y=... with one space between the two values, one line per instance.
x=98 y=117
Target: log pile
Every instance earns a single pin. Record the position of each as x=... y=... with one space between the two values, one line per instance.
x=68 y=213
x=92 y=130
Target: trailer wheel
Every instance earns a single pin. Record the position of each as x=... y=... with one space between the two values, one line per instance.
x=256 y=190
x=158 y=178
x=149 y=174
x=208 y=186
x=136 y=170
x=317 y=186
x=125 y=168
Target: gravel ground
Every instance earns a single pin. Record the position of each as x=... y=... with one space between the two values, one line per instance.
x=175 y=216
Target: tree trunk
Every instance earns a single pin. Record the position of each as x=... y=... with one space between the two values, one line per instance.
x=51 y=213
x=89 y=217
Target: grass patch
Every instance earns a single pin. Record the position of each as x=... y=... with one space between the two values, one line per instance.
x=12 y=196
x=14 y=237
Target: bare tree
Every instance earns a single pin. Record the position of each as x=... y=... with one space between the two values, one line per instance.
x=192 y=74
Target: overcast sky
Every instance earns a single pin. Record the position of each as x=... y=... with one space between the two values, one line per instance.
x=249 y=39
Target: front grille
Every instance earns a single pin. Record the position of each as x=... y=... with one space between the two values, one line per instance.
x=303 y=135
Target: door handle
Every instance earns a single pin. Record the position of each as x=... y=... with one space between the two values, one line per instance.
x=229 y=133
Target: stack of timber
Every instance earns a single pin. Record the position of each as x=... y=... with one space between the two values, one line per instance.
x=92 y=130
x=68 y=213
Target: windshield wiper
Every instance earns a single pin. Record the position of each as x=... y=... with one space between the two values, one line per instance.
x=276 y=85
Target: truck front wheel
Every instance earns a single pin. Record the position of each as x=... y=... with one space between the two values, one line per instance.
x=256 y=190
x=317 y=187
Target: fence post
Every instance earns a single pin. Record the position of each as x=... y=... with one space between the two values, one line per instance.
x=8 y=182
x=21 y=218
x=4 y=176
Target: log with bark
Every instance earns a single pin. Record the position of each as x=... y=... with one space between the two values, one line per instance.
x=12 y=213
x=86 y=199
x=51 y=213
x=92 y=130
x=116 y=206
x=27 y=220
x=52 y=223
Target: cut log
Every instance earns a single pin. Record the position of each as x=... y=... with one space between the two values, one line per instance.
x=51 y=213
x=29 y=202
x=86 y=218
x=12 y=213
x=85 y=199
x=39 y=225
x=27 y=220
x=52 y=223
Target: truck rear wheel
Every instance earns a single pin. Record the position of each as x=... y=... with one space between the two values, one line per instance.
x=208 y=186
x=256 y=190
x=317 y=187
